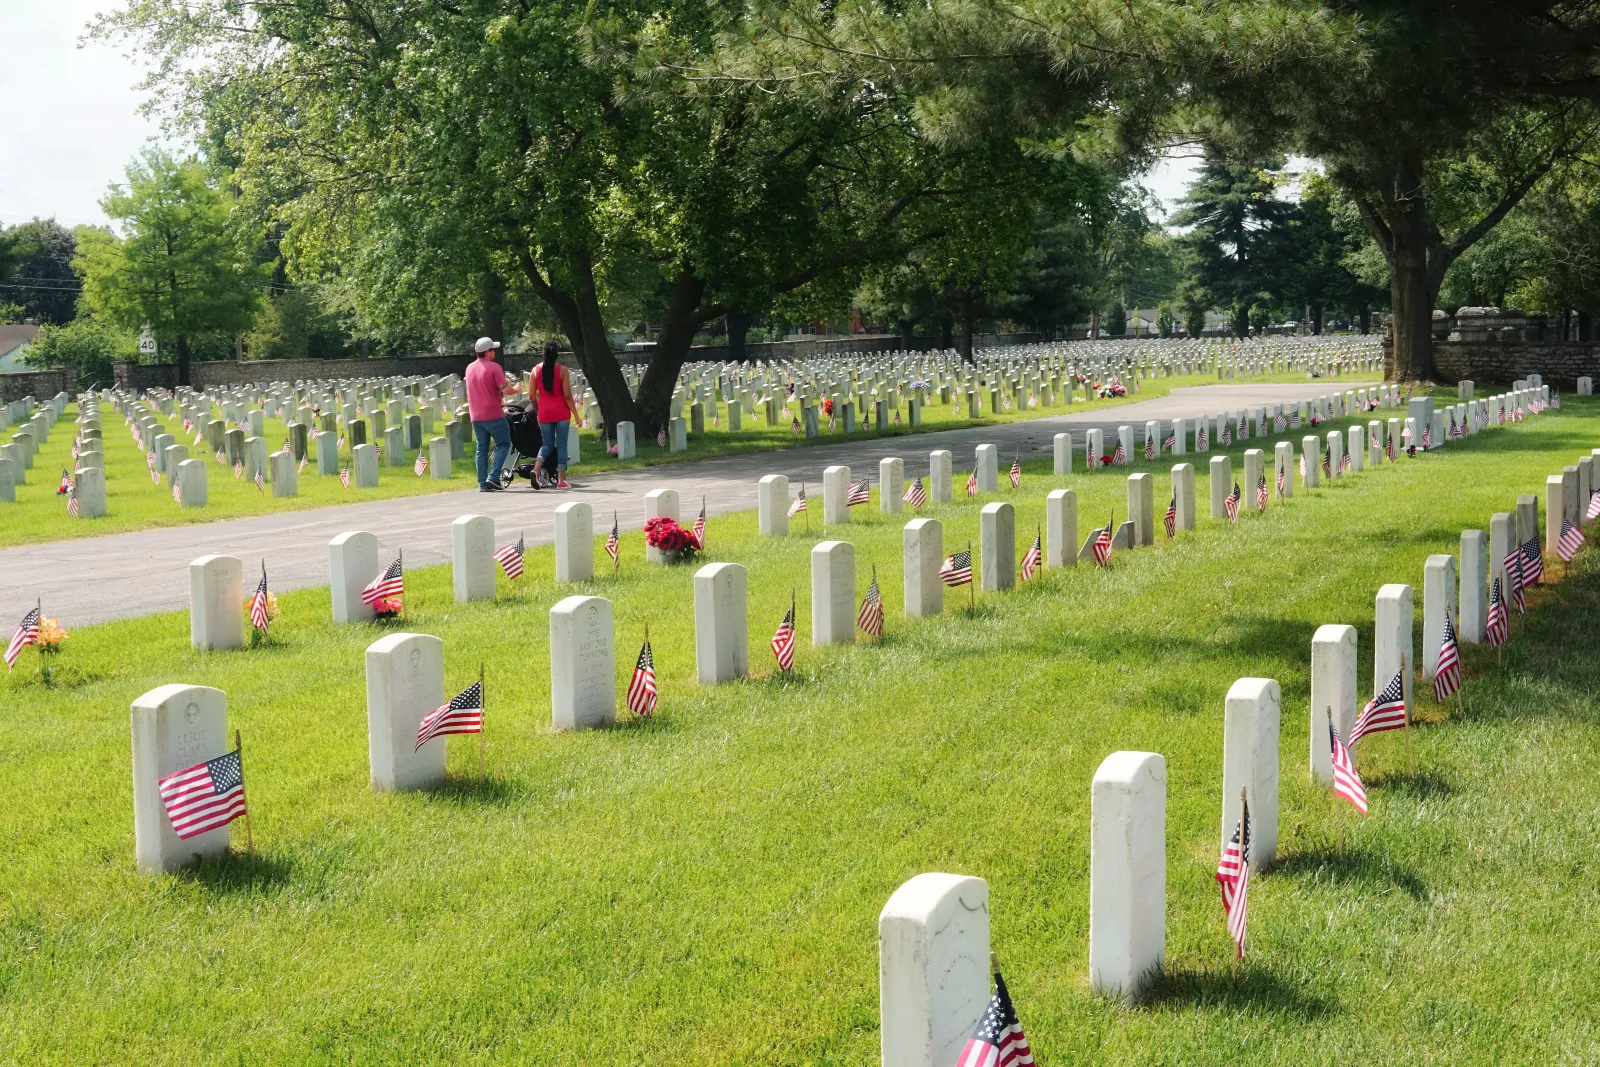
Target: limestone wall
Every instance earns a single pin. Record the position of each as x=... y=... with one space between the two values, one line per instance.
x=39 y=384
x=1560 y=363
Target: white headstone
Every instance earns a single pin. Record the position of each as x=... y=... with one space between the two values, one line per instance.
x=1250 y=762
x=364 y=466
x=941 y=487
x=1527 y=518
x=1127 y=874
x=574 y=522
x=626 y=448
x=1063 y=453
x=1142 y=508
x=997 y=546
x=891 y=483
x=582 y=664
x=922 y=543
x=833 y=592
x=472 y=557
x=216 y=603
x=283 y=474
x=933 y=969
x=721 y=623
x=1333 y=687
x=1093 y=448
x=1394 y=638
x=405 y=681
x=1179 y=430
x=1438 y=597
x=1283 y=468
x=1061 y=528
x=1355 y=448
x=439 y=458
x=1221 y=485
x=987 y=460
x=659 y=504
x=174 y=727
x=352 y=564
x=772 y=499
x=90 y=485
x=836 y=495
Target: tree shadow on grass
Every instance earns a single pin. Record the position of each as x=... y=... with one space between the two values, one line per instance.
x=1352 y=866
x=1251 y=989
x=238 y=872
x=1418 y=784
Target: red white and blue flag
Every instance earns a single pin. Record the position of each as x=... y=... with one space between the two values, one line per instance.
x=1447 y=672
x=1346 y=782
x=998 y=1040
x=1032 y=558
x=1385 y=711
x=509 y=557
x=1233 y=875
x=26 y=633
x=642 y=686
x=462 y=714
x=1498 y=625
x=206 y=796
x=1571 y=541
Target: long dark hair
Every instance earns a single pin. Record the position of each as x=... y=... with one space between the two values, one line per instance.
x=547 y=369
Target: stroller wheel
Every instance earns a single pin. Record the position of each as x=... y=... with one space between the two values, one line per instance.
x=507 y=477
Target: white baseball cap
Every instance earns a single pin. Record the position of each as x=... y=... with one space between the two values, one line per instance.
x=484 y=344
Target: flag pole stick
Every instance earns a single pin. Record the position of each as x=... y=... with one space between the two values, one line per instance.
x=483 y=714
x=1405 y=679
x=807 y=512
x=972 y=592
x=1338 y=810
x=249 y=834
x=1461 y=689
x=1243 y=865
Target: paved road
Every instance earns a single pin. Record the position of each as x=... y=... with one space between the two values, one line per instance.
x=143 y=573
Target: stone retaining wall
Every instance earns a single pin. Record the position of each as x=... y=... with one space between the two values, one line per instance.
x=1560 y=363
x=39 y=384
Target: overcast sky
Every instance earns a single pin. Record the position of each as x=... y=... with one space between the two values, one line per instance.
x=74 y=122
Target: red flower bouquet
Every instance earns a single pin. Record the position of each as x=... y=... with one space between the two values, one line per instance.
x=666 y=535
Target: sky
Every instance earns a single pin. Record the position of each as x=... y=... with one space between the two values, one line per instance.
x=73 y=119
x=79 y=122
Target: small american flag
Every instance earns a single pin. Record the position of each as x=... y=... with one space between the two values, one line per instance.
x=1447 y=672
x=1280 y=483
x=1386 y=711
x=177 y=492
x=419 y=466
x=799 y=504
x=794 y=428
x=339 y=445
x=1261 y=493
x=1571 y=540
x=642 y=686
x=258 y=605
x=1498 y=626
x=1514 y=582
x=870 y=617
x=306 y=459
x=1278 y=423
x=613 y=542
x=391 y=583
x=1201 y=442
x=998 y=1040
x=26 y=633
x=238 y=469
x=1149 y=446
x=1344 y=464
x=956 y=569
x=699 y=530
x=1120 y=456
x=1427 y=438
x=972 y=482
x=1294 y=418
x=222 y=458
x=261 y=482
x=1016 y=472
x=66 y=485
x=1169 y=443
x=1230 y=506
x=1375 y=440
x=72 y=503
x=916 y=496
x=150 y=459
x=510 y=559
x=783 y=641
x=860 y=493
x=661 y=439
x=1032 y=558
x=1593 y=511
x=205 y=796
x=1302 y=468
x=462 y=714
x=344 y=476
x=1170 y=519
x=1226 y=436
x=1346 y=782
x=1327 y=466
x=1233 y=874
x=1532 y=561
x=1102 y=542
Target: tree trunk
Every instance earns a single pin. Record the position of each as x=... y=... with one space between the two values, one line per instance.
x=968 y=314
x=906 y=336
x=1241 y=320
x=738 y=322
x=1094 y=324
x=654 y=402
x=492 y=304
x=1366 y=317
x=183 y=361
x=1317 y=313
x=1585 y=327
x=945 y=341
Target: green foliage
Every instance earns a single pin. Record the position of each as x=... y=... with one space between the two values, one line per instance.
x=88 y=344
x=1165 y=323
x=1235 y=237
x=184 y=269
x=44 y=282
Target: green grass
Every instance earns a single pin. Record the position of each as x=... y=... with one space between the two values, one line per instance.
x=133 y=502
x=704 y=888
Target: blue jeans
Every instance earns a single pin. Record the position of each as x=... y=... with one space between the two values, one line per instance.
x=555 y=440
x=498 y=431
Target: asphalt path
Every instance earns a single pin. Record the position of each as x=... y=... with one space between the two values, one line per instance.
x=132 y=574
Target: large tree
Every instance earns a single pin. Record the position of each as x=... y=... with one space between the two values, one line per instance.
x=44 y=283
x=182 y=269
x=410 y=147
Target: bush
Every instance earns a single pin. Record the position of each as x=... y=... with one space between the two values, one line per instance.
x=1165 y=322
x=86 y=344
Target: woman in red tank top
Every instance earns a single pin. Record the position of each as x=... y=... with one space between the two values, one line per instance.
x=553 y=389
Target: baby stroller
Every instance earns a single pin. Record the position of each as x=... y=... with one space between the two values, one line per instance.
x=525 y=441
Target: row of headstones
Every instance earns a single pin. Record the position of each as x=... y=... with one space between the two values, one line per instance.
x=33 y=423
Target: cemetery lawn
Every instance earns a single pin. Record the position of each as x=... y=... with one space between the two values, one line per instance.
x=134 y=502
x=705 y=887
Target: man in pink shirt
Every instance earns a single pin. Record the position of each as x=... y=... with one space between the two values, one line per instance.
x=486 y=385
